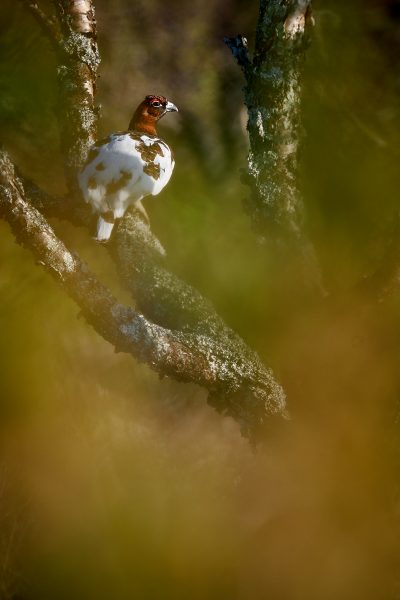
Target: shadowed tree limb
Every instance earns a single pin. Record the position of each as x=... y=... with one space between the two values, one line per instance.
x=239 y=49
x=48 y=24
x=169 y=301
x=67 y=208
x=197 y=347
x=272 y=96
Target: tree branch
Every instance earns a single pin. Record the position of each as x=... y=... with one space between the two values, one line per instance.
x=77 y=77
x=68 y=208
x=46 y=23
x=239 y=49
x=197 y=347
x=272 y=96
x=74 y=38
x=167 y=300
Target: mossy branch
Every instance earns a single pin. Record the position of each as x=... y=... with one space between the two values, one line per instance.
x=77 y=78
x=73 y=34
x=272 y=96
x=197 y=347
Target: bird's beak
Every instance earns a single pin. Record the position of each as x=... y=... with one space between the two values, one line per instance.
x=171 y=107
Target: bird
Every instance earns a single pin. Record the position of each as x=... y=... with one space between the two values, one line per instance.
x=126 y=166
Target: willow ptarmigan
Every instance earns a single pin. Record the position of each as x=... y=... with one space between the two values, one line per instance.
x=125 y=167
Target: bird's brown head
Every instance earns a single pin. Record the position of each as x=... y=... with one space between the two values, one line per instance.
x=149 y=112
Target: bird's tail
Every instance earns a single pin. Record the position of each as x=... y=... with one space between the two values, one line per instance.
x=104 y=229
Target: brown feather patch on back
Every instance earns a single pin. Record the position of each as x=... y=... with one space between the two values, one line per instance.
x=148 y=154
x=116 y=184
x=153 y=170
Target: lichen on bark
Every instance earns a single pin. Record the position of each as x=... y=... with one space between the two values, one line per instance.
x=272 y=95
x=168 y=301
x=77 y=77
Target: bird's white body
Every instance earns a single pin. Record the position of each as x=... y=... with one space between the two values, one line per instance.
x=120 y=171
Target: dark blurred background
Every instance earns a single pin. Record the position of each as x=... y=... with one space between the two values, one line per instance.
x=114 y=484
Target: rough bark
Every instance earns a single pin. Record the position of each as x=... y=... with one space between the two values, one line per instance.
x=169 y=301
x=272 y=95
x=72 y=32
x=77 y=76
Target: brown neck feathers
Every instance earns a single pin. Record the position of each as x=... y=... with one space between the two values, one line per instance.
x=143 y=121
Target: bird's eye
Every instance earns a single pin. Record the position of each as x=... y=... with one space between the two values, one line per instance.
x=156 y=104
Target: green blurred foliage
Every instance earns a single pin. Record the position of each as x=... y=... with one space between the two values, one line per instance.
x=117 y=485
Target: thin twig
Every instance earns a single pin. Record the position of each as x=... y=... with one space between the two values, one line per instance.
x=239 y=49
x=48 y=24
